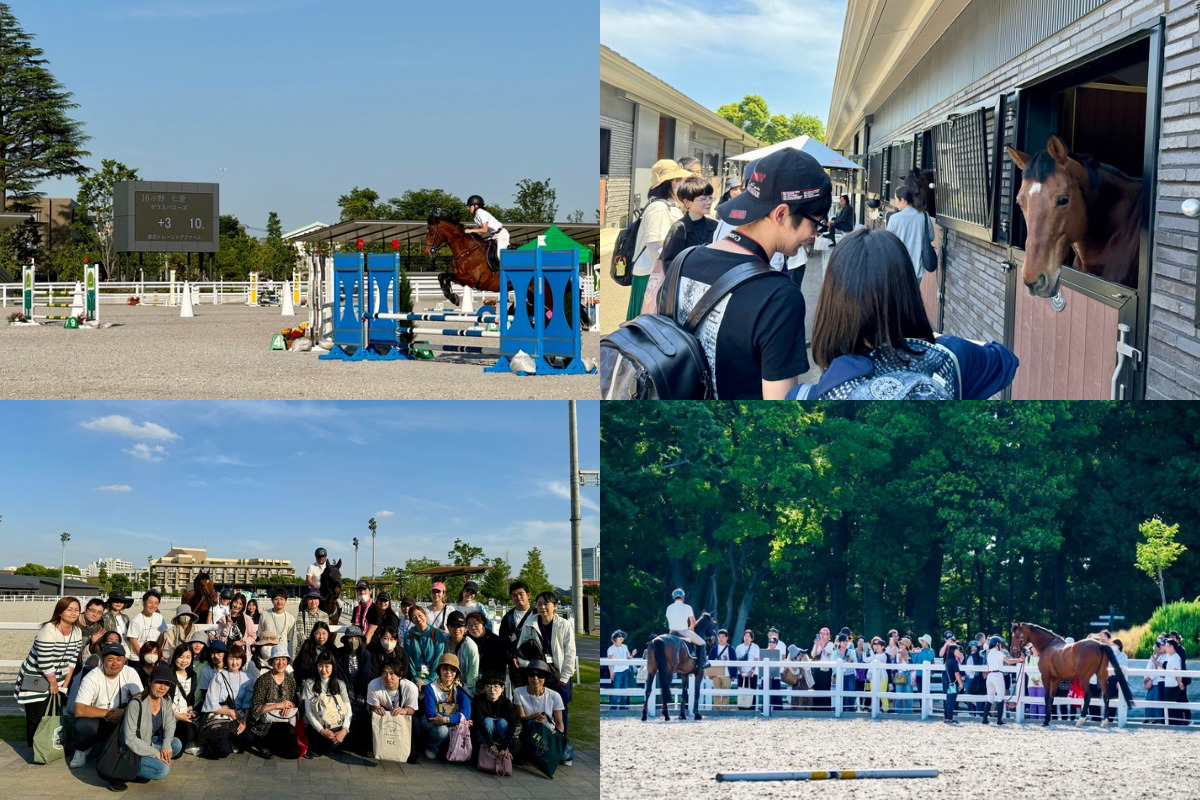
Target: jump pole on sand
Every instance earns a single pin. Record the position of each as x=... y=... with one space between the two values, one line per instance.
x=837 y=774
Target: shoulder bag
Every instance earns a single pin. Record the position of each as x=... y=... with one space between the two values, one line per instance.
x=119 y=764
x=460 y=743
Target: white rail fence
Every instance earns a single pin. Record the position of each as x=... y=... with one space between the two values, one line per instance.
x=769 y=702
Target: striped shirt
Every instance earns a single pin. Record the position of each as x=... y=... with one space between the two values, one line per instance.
x=52 y=652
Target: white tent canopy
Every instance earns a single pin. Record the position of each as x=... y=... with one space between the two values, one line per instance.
x=828 y=158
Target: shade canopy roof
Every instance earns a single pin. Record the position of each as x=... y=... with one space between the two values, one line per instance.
x=826 y=157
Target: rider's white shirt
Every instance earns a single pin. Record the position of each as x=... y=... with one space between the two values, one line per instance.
x=484 y=218
x=316 y=570
x=995 y=659
x=678 y=615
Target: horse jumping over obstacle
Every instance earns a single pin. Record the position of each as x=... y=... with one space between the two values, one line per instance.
x=1075 y=205
x=1058 y=660
x=668 y=655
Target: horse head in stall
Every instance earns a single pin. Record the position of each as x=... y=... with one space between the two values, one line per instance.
x=331 y=590
x=1079 y=205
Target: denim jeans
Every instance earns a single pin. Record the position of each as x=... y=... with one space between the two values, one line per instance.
x=497 y=731
x=903 y=706
x=622 y=680
x=435 y=735
x=849 y=682
x=152 y=768
x=1154 y=693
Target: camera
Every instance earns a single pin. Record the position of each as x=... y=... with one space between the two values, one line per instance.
x=948 y=635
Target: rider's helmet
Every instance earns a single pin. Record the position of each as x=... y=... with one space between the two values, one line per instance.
x=995 y=640
x=475 y=200
x=678 y=594
x=321 y=552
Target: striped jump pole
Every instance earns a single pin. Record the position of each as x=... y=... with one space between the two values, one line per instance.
x=87 y=294
x=426 y=317
x=830 y=775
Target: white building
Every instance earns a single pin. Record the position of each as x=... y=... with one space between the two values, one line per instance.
x=591 y=563
x=112 y=566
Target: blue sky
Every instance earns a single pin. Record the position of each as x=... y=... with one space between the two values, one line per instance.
x=716 y=52
x=290 y=103
x=270 y=479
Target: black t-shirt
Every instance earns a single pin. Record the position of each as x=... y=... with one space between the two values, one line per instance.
x=373 y=616
x=754 y=334
x=685 y=233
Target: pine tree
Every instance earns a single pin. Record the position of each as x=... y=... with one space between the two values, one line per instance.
x=534 y=574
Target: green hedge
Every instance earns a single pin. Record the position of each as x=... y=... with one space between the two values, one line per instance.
x=1182 y=616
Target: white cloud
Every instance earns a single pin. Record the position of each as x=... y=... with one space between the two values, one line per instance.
x=145 y=452
x=114 y=487
x=561 y=489
x=385 y=513
x=124 y=426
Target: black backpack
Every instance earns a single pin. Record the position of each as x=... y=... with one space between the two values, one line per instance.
x=623 y=258
x=655 y=357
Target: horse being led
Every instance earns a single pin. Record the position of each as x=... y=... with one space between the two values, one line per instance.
x=331 y=590
x=669 y=655
x=202 y=596
x=1059 y=661
x=1081 y=205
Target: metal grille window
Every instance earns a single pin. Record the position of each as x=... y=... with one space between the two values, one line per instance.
x=960 y=160
x=901 y=163
x=1007 y=183
x=875 y=173
x=605 y=149
x=885 y=192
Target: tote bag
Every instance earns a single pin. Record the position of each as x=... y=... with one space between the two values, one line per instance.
x=48 y=739
x=500 y=764
x=460 y=743
x=392 y=737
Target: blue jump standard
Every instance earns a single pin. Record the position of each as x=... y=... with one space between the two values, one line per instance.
x=368 y=324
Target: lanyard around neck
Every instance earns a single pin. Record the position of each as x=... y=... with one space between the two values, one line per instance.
x=746 y=243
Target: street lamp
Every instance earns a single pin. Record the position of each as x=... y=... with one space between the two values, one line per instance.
x=148 y=573
x=62 y=575
x=371 y=525
x=356 y=559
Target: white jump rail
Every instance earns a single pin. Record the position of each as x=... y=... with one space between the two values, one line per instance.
x=922 y=702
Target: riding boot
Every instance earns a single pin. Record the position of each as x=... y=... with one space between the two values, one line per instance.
x=1000 y=713
x=986 y=709
x=701 y=657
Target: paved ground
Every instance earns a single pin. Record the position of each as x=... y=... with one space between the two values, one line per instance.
x=587 y=649
x=224 y=353
x=348 y=776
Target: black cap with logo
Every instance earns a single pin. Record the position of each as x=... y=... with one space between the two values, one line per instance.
x=786 y=176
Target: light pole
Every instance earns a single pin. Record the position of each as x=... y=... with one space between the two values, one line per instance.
x=576 y=540
x=356 y=559
x=149 y=574
x=62 y=575
x=371 y=525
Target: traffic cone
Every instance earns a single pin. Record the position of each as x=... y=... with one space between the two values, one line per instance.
x=186 y=309
x=289 y=310
x=468 y=301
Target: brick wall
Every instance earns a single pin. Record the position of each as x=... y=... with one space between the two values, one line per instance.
x=620 y=171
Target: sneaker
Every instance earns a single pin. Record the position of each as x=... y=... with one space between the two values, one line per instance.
x=79 y=759
x=566 y=763
x=431 y=755
x=117 y=787
x=235 y=749
x=192 y=749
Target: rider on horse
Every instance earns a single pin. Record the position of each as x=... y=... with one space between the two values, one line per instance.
x=316 y=569
x=488 y=226
x=680 y=621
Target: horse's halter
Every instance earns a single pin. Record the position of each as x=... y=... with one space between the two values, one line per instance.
x=433 y=238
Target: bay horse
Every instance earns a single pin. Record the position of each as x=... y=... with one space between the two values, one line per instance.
x=472 y=263
x=1077 y=204
x=668 y=655
x=1059 y=661
x=331 y=590
x=202 y=597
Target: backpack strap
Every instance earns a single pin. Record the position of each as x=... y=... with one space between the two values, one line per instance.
x=724 y=285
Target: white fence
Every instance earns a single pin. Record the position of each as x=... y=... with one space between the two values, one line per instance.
x=770 y=701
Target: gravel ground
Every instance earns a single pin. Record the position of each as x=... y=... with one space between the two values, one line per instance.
x=224 y=353
x=681 y=759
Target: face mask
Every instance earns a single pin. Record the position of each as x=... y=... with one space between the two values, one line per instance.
x=151 y=658
x=389 y=646
x=364 y=597
x=353 y=644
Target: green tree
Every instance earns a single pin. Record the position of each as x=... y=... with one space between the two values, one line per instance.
x=753 y=116
x=120 y=583
x=420 y=204
x=1159 y=551
x=359 y=204
x=533 y=573
x=96 y=197
x=494 y=585
x=575 y=216
x=236 y=253
x=72 y=571
x=417 y=586
x=276 y=257
x=463 y=554
x=535 y=202
x=102 y=578
x=36 y=570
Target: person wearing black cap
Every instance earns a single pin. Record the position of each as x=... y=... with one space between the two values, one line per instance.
x=221 y=610
x=366 y=611
x=622 y=677
x=100 y=703
x=754 y=338
x=461 y=646
x=115 y=618
x=148 y=728
x=466 y=599
x=317 y=568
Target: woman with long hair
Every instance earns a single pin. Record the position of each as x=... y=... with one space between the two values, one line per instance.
x=237 y=625
x=326 y=708
x=319 y=641
x=46 y=672
x=223 y=727
x=183 y=699
x=870 y=316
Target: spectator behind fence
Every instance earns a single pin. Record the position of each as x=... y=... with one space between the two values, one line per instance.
x=148 y=728
x=952 y=681
x=424 y=646
x=100 y=704
x=445 y=704
x=223 y=727
x=115 y=618
x=147 y=626
x=722 y=677
x=870 y=313
x=902 y=678
x=622 y=677
x=327 y=709
x=748 y=675
x=823 y=649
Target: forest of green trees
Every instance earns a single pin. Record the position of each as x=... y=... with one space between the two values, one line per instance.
x=922 y=517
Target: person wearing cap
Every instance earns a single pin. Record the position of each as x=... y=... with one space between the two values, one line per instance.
x=317 y=568
x=487 y=226
x=387 y=615
x=148 y=626
x=148 y=728
x=278 y=619
x=237 y=625
x=353 y=663
x=424 y=646
x=115 y=618
x=923 y=655
x=555 y=637
x=215 y=663
x=467 y=601
x=493 y=716
x=952 y=680
x=438 y=611
x=327 y=709
x=445 y=704
x=406 y=603
x=198 y=644
x=976 y=681
x=681 y=622
x=536 y=704
x=366 y=611
x=754 y=338
x=722 y=677
x=273 y=712
x=182 y=627
x=510 y=627
x=310 y=615
x=492 y=654
x=228 y=696
x=660 y=213
x=997 y=658
x=461 y=647
x=101 y=700
x=319 y=641
x=183 y=700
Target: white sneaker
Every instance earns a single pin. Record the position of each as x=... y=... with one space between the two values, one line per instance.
x=192 y=749
x=566 y=763
x=431 y=755
x=79 y=759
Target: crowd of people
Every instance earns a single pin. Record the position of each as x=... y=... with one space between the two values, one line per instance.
x=889 y=664
x=869 y=315
x=287 y=686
